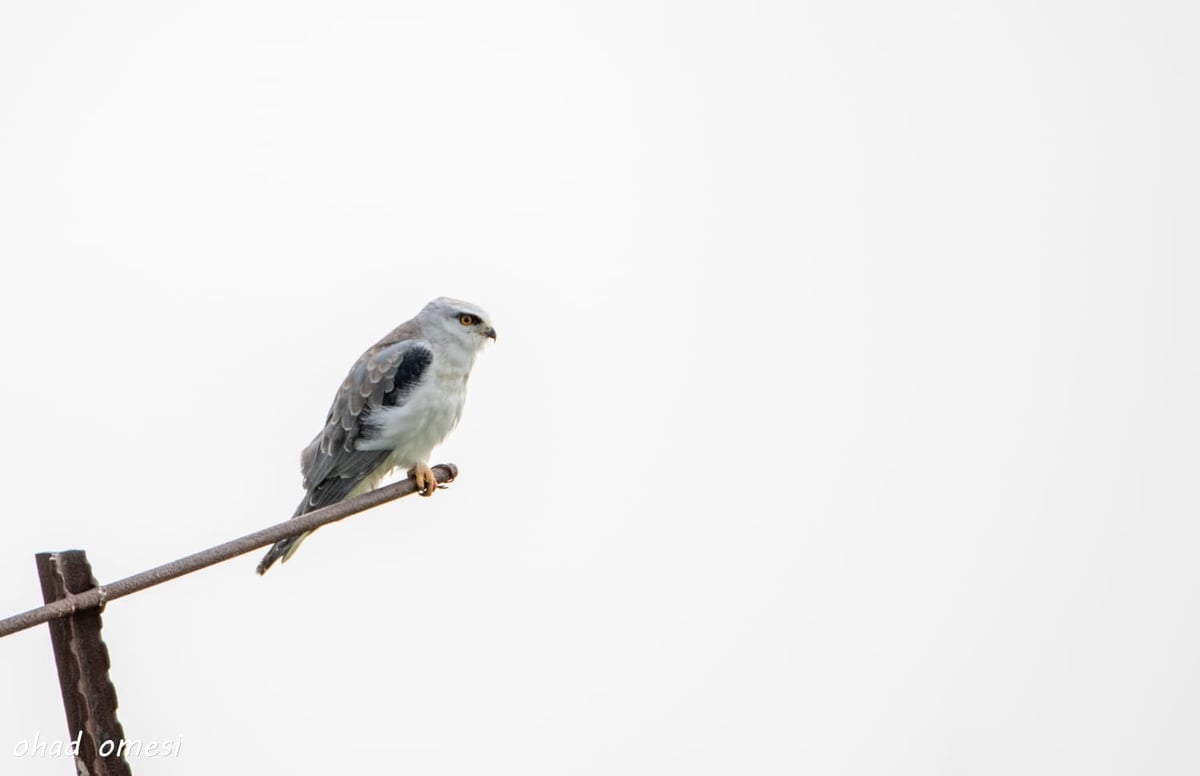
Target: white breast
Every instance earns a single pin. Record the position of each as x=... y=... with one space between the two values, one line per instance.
x=431 y=411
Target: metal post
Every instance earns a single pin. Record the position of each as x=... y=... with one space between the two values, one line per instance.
x=88 y=694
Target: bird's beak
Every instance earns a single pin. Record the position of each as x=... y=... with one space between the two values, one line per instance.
x=490 y=332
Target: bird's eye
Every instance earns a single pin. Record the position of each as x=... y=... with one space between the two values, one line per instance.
x=466 y=320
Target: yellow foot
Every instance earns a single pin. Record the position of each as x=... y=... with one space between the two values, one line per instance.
x=426 y=482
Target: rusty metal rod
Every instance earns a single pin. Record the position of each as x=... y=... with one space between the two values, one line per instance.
x=97 y=596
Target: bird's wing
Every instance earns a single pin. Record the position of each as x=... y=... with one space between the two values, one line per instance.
x=383 y=377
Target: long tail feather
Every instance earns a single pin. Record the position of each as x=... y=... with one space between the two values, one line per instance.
x=284 y=548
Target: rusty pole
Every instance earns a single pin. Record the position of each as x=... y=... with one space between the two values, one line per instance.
x=97 y=595
x=82 y=658
x=74 y=601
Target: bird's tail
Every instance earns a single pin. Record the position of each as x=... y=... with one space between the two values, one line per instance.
x=285 y=548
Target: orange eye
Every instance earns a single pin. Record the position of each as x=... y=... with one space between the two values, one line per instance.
x=466 y=320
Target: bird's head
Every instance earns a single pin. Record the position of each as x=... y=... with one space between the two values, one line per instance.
x=458 y=321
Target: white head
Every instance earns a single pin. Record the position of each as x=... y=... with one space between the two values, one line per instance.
x=455 y=321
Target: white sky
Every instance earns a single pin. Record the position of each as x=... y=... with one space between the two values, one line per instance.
x=842 y=418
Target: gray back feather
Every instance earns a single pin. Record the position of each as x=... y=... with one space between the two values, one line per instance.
x=331 y=464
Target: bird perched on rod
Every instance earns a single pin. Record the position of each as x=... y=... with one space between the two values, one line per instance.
x=401 y=398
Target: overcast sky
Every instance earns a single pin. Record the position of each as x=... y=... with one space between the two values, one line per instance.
x=842 y=418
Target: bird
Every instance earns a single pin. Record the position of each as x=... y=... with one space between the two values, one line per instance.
x=402 y=397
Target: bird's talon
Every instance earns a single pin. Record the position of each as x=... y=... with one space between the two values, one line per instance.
x=426 y=482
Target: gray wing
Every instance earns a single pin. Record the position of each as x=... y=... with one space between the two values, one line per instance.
x=332 y=466
x=383 y=377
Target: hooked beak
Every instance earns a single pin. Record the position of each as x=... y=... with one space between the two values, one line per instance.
x=490 y=332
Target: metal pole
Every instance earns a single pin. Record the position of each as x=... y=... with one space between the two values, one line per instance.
x=90 y=598
x=82 y=658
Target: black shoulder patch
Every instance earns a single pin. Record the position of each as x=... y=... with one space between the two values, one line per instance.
x=408 y=374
